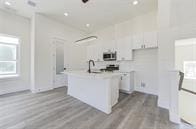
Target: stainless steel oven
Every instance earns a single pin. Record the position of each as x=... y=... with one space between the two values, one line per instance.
x=109 y=56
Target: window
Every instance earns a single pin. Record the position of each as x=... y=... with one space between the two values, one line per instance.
x=190 y=69
x=9 y=51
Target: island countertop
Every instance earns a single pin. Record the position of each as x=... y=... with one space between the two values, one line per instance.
x=85 y=74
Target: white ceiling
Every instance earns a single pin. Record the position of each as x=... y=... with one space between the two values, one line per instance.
x=98 y=13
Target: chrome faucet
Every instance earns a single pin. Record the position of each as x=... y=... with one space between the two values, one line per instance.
x=89 y=65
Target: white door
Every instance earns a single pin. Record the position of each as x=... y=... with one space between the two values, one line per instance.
x=59 y=63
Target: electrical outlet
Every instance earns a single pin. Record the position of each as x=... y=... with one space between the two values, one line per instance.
x=143 y=84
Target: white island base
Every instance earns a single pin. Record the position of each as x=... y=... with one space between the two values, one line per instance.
x=99 y=91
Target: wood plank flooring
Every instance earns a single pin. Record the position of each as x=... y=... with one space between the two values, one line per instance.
x=56 y=110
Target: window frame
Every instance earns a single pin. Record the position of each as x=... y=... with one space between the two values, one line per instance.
x=17 y=74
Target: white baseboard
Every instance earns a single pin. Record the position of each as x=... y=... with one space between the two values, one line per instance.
x=42 y=90
x=59 y=86
x=174 y=118
x=145 y=91
x=13 y=91
x=163 y=104
x=127 y=92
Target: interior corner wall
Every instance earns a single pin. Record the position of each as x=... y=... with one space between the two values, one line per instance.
x=177 y=20
x=45 y=30
x=12 y=24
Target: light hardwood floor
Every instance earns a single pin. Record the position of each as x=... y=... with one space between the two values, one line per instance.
x=56 y=110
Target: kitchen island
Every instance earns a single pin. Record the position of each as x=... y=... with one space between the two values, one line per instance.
x=99 y=90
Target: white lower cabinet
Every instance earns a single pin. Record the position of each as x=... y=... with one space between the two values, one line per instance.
x=60 y=80
x=127 y=82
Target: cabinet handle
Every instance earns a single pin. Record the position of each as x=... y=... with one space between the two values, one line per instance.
x=144 y=46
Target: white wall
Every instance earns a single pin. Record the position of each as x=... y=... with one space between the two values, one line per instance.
x=17 y=26
x=145 y=61
x=45 y=30
x=146 y=67
x=176 y=21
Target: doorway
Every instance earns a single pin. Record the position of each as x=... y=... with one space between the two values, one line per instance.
x=185 y=61
x=59 y=63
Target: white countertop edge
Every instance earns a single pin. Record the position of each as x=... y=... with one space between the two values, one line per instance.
x=92 y=75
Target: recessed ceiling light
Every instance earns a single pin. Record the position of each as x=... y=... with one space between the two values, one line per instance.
x=135 y=2
x=7 y=3
x=87 y=25
x=66 y=14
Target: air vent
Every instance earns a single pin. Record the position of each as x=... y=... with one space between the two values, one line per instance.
x=31 y=3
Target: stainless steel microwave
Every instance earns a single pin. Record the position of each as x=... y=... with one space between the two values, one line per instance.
x=109 y=56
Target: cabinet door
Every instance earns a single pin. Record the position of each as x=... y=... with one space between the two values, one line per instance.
x=124 y=49
x=125 y=82
x=120 y=49
x=150 y=39
x=94 y=52
x=138 y=41
x=90 y=53
x=128 y=51
x=98 y=53
x=109 y=46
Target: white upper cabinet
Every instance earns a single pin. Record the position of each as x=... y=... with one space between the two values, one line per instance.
x=138 y=41
x=90 y=55
x=145 y=40
x=150 y=40
x=109 y=46
x=94 y=52
x=121 y=42
x=124 y=49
